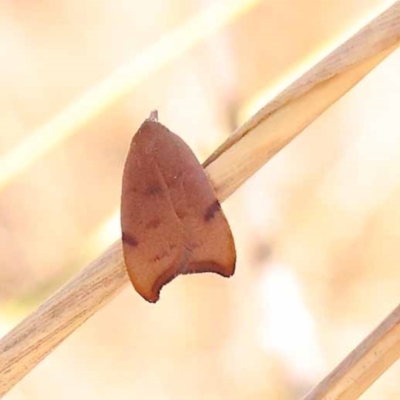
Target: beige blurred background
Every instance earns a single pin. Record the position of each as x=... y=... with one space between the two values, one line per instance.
x=317 y=229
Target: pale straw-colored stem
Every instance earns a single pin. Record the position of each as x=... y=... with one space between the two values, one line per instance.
x=364 y=365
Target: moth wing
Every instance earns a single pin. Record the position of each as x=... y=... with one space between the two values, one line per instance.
x=171 y=220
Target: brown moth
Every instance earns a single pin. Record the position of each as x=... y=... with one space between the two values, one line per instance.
x=172 y=223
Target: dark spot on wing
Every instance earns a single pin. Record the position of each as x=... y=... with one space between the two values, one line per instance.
x=159 y=257
x=211 y=210
x=181 y=213
x=154 y=190
x=154 y=223
x=129 y=239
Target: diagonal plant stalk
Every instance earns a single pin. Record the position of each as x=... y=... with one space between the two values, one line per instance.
x=309 y=93
x=364 y=365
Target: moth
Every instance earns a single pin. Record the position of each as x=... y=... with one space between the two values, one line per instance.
x=171 y=220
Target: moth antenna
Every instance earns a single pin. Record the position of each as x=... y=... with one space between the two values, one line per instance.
x=154 y=116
